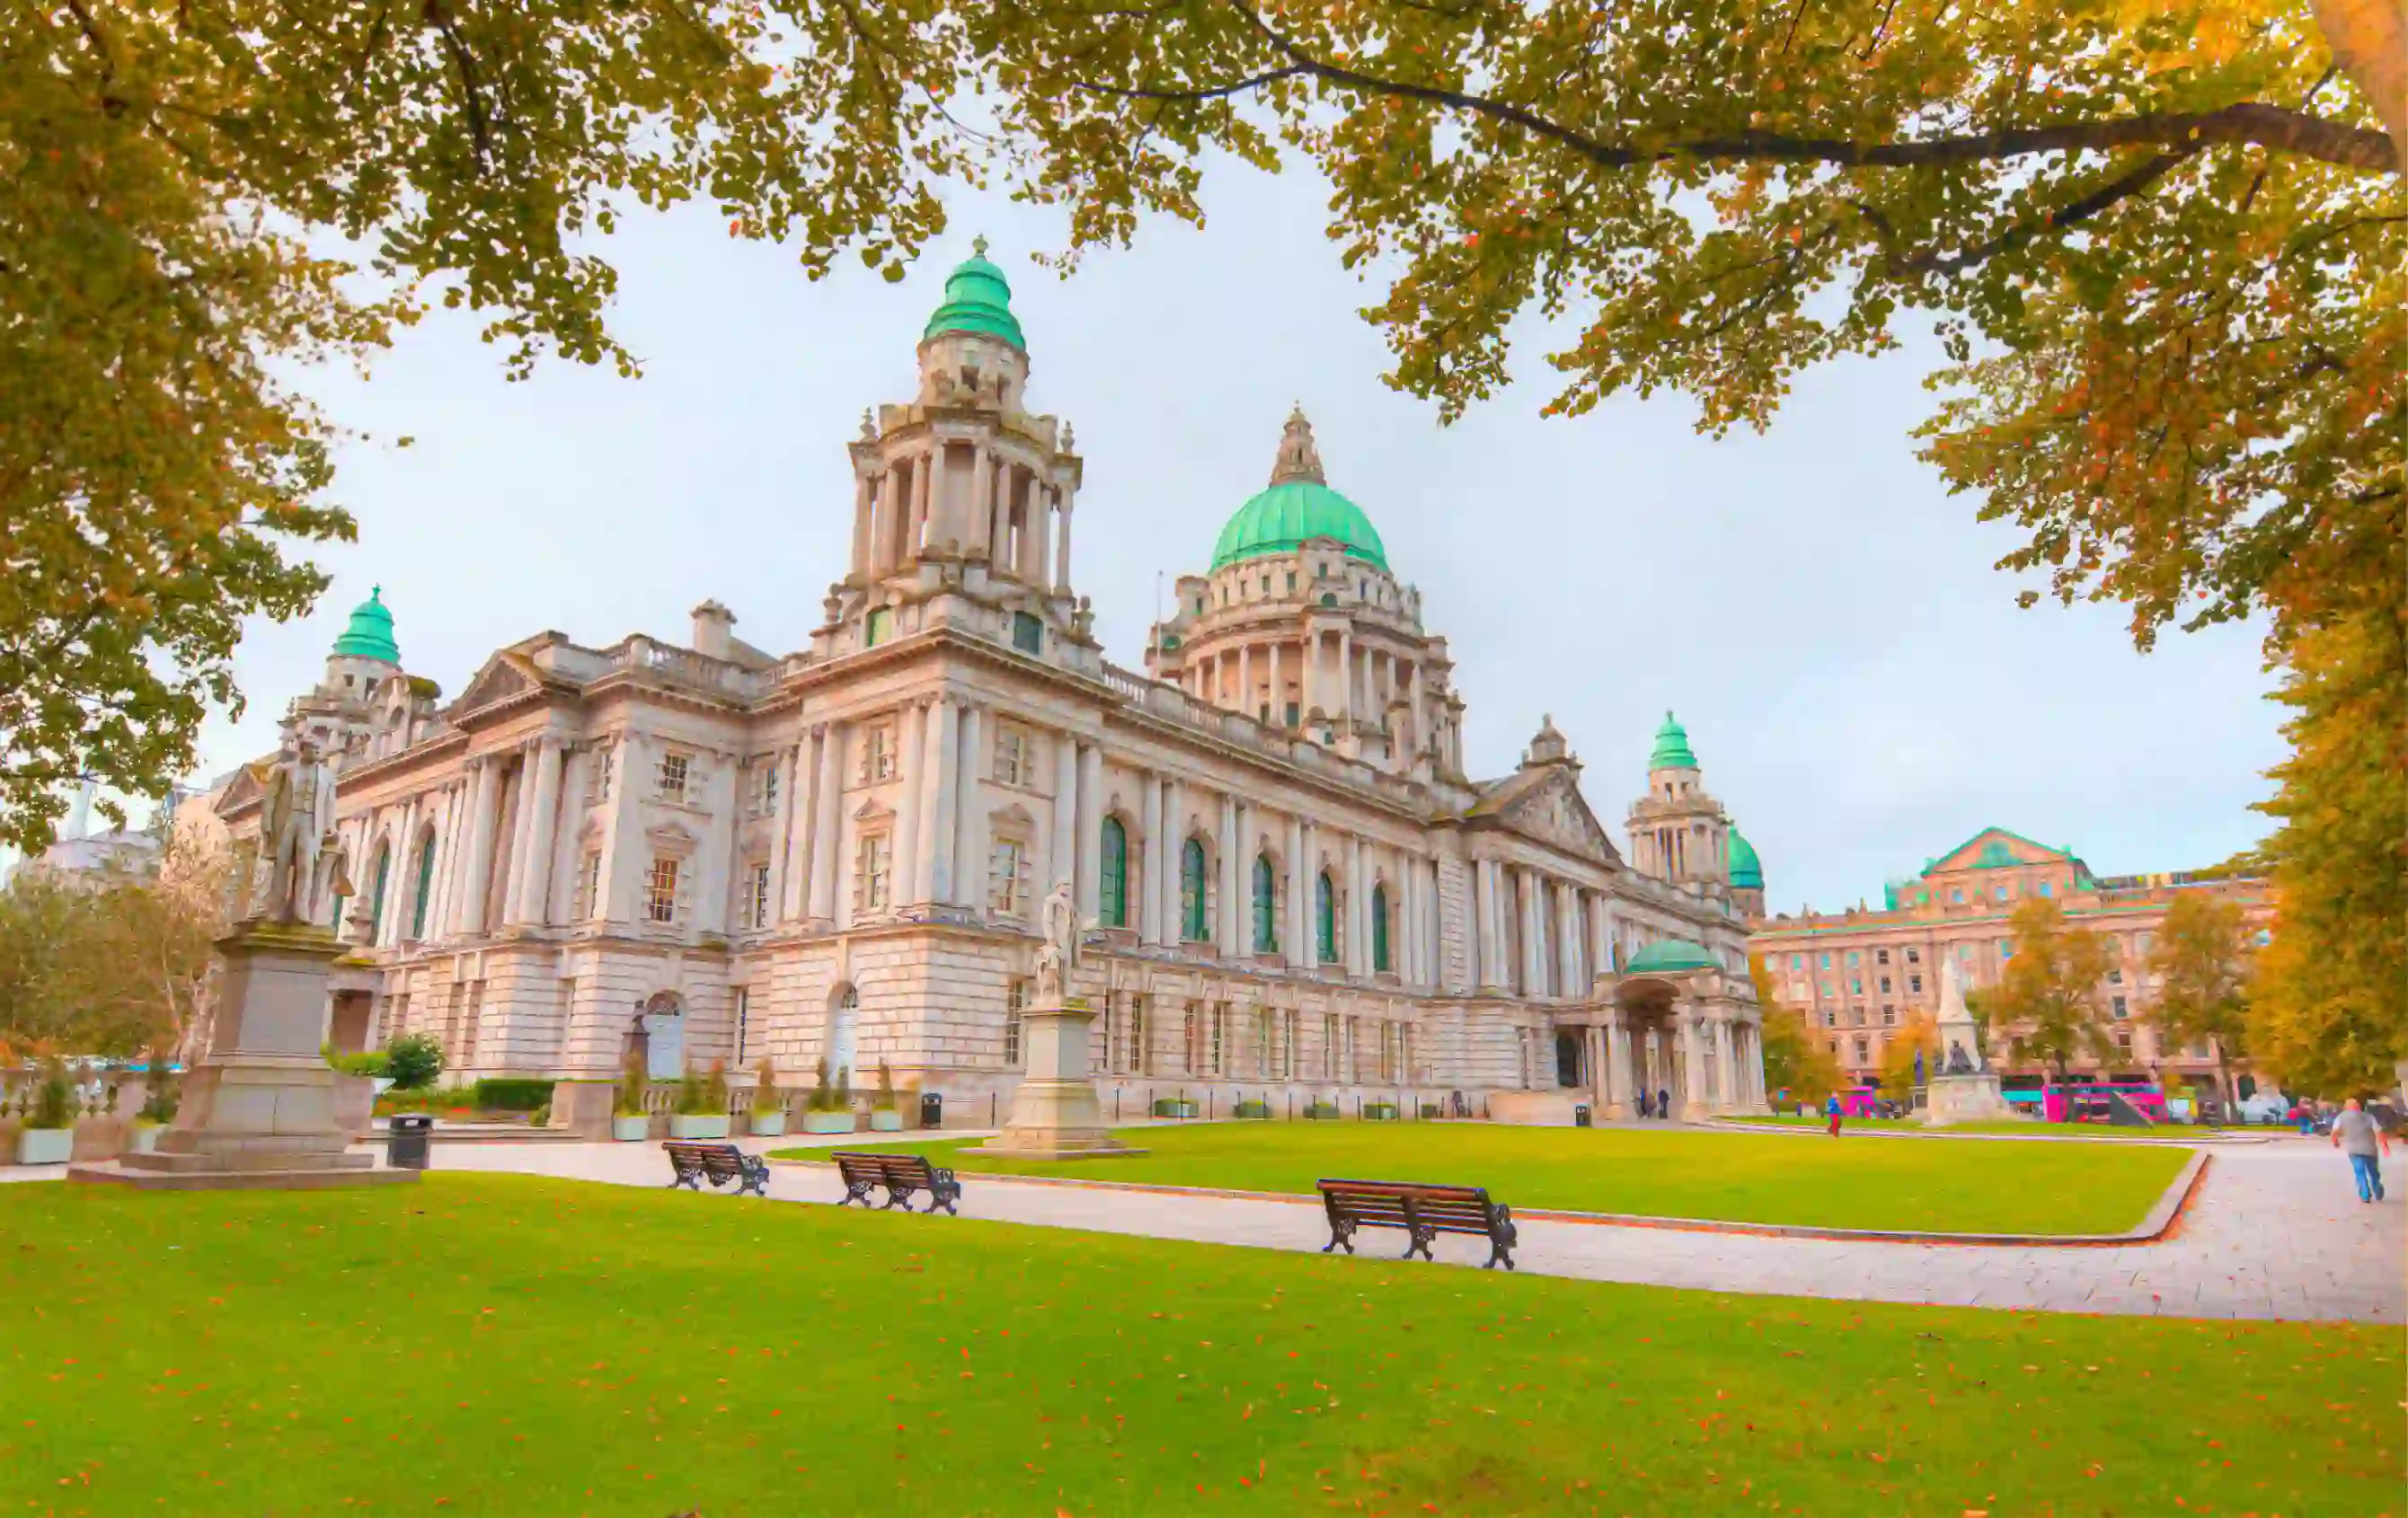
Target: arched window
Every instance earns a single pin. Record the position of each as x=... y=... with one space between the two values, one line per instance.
x=1380 y=929
x=426 y=891
x=1191 y=892
x=1324 y=918
x=1114 y=902
x=376 y=891
x=1266 y=905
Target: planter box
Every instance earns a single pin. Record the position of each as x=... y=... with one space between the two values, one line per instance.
x=767 y=1125
x=828 y=1122
x=1166 y=1107
x=630 y=1129
x=1378 y=1111
x=145 y=1139
x=1258 y=1110
x=45 y=1146
x=1322 y=1112
x=698 y=1124
x=885 y=1121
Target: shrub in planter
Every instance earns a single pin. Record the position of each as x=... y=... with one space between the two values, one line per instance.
x=413 y=1060
x=512 y=1093
x=883 y=1118
x=828 y=1109
x=1321 y=1112
x=158 y=1106
x=371 y=1063
x=1262 y=1110
x=1378 y=1111
x=1431 y=1110
x=629 y=1122
x=702 y=1104
x=769 y=1104
x=48 y=1136
x=1173 y=1107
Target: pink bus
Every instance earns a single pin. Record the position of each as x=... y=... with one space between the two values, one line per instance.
x=1860 y=1101
x=2087 y=1102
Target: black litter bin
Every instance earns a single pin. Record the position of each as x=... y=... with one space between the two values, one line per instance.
x=1580 y=1116
x=932 y=1110
x=407 y=1150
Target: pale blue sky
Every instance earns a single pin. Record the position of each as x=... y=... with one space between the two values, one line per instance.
x=1854 y=677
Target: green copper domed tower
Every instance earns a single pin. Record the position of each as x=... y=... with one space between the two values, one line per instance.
x=978 y=299
x=1296 y=506
x=1671 y=747
x=369 y=635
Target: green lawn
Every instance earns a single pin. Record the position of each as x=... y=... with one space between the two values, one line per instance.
x=1738 y=1177
x=511 y=1346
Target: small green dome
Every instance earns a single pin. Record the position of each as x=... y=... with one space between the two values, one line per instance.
x=977 y=299
x=371 y=633
x=1297 y=506
x=1746 y=870
x=1671 y=954
x=1671 y=747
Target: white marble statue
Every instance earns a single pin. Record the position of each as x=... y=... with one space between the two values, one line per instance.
x=1960 y=1038
x=298 y=835
x=1057 y=955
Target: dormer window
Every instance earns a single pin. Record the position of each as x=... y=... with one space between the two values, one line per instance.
x=674 y=776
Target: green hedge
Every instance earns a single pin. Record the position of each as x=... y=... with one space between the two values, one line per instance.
x=512 y=1093
x=1253 y=1110
x=1166 y=1107
x=1378 y=1111
x=1321 y=1112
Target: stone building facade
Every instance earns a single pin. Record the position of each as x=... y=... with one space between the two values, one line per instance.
x=1858 y=976
x=712 y=853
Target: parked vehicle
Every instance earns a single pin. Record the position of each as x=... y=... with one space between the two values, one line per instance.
x=2267 y=1106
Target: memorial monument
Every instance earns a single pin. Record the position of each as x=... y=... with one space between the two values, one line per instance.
x=1055 y=1114
x=258 y=1109
x=1962 y=1087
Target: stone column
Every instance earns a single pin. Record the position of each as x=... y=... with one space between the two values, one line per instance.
x=1061 y=857
x=1407 y=949
x=1534 y=964
x=1307 y=685
x=969 y=834
x=865 y=513
x=1091 y=832
x=1729 y=1044
x=536 y=894
x=1245 y=702
x=477 y=876
x=911 y=752
x=788 y=766
x=1350 y=874
x=1567 y=941
x=1279 y=690
x=826 y=823
x=940 y=800
x=1346 y=673
x=1062 y=568
x=1484 y=945
x=1232 y=919
x=1172 y=930
x=1302 y=951
x=1148 y=895
x=519 y=820
x=1040 y=530
x=980 y=506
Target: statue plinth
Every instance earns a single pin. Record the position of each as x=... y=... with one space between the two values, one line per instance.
x=258 y=1110
x=1055 y=1114
x=1963 y=1098
x=1962 y=1088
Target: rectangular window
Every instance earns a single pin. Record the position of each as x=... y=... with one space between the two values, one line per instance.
x=1914 y=984
x=764 y=787
x=1830 y=1017
x=589 y=885
x=877 y=752
x=1006 y=877
x=2044 y=888
x=1329 y=1046
x=1141 y=1054
x=1028 y=633
x=602 y=774
x=871 y=872
x=1884 y=985
x=2114 y=976
x=1015 y=1012
x=1958 y=894
x=743 y=1022
x=1881 y=956
x=1796 y=961
x=2006 y=949
x=1289 y=1023
x=1011 y=754
x=674 y=768
x=661 y=890
x=1827 y=962
x=1220 y=1034
x=1263 y=1053
x=1856 y=986
x=1889 y=1017
x=1914 y=956
x=1852 y=959
x=2123 y=1008
x=756 y=899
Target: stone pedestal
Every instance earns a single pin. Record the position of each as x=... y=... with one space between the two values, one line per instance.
x=1963 y=1098
x=260 y=1111
x=1055 y=1114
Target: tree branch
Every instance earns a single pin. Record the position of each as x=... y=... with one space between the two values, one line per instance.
x=2120 y=188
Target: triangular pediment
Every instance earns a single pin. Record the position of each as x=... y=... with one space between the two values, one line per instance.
x=1547 y=806
x=248 y=784
x=505 y=675
x=1995 y=847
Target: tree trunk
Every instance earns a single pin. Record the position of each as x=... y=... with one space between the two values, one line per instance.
x=2370 y=42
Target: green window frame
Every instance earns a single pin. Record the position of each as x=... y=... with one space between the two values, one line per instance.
x=425 y=884
x=1266 y=905
x=1380 y=929
x=1325 y=917
x=1114 y=895
x=376 y=891
x=880 y=626
x=1192 y=892
x=1028 y=633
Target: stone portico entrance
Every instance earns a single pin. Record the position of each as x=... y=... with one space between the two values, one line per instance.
x=1691 y=1035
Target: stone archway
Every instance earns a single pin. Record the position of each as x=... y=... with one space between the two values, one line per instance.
x=1650 y=1058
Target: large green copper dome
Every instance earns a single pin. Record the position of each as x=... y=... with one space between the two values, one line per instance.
x=1671 y=747
x=1297 y=505
x=1746 y=870
x=1668 y=955
x=977 y=299
x=371 y=633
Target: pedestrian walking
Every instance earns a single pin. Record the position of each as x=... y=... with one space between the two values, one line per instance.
x=2355 y=1134
x=1663 y=1105
x=2305 y=1116
x=1832 y=1109
x=1646 y=1106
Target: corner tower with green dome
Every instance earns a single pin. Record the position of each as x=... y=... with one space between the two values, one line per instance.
x=1678 y=832
x=962 y=498
x=366 y=654
x=1300 y=624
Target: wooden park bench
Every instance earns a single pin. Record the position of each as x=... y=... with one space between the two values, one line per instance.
x=1422 y=1211
x=901 y=1175
x=718 y=1163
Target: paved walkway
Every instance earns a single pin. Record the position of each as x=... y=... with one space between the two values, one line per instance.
x=2275 y=1231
